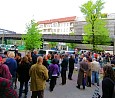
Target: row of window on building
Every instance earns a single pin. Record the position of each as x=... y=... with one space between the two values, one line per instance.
x=58 y=30
x=64 y=24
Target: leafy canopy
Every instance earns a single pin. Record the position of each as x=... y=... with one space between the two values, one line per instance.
x=96 y=32
x=33 y=38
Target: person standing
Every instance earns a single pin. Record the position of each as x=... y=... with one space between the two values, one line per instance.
x=53 y=70
x=6 y=90
x=12 y=64
x=95 y=68
x=18 y=60
x=64 y=66
x=34 y=56
x=23 y=75
x=39 y=75
x=108 y=82
x=71 y=67
x=89 y=60
x=82 y=73
x=4 y=70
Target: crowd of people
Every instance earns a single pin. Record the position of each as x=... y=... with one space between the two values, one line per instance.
x=38 y=70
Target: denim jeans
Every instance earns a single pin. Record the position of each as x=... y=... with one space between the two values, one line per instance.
x=21 y=88
x=95 y=77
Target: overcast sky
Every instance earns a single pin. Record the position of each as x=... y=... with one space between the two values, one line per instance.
x=14 y=14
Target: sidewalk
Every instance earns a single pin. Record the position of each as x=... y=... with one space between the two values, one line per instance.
x=67 y=91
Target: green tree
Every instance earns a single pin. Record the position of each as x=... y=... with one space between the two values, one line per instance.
x=96 y=32
x=71 y=45
x=53 y=44
x=33 y=38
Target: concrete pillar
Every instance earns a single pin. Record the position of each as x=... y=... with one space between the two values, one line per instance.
x=114 y=47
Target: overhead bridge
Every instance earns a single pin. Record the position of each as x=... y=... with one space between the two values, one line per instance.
x=48 y=37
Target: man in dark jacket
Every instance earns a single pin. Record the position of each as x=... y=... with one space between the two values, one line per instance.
x=71 y=67
x=34 y=56
x=64 y=66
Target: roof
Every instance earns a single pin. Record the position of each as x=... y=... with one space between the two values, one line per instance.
x=66 y=19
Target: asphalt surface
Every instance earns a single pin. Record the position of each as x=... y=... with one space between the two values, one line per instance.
x=67 y=91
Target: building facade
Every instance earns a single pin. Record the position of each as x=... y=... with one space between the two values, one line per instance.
x=57 y=26
x=79 y=25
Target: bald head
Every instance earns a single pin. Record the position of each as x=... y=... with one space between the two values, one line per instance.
x=40 y=59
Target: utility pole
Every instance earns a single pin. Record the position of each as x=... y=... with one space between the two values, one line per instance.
x=3 y=37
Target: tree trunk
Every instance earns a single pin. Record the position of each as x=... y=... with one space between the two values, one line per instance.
x=93 y=40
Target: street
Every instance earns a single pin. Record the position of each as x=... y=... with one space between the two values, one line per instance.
x=67 y=91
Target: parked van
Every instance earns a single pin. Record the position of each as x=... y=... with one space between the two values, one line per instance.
x=42 y=52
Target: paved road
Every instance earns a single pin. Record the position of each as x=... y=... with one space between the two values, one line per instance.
x=67 y=91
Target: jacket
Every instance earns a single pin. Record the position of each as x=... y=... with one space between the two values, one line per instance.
x=107 y=88
x=95 y=66
x=23 y=72
x=53 y=69
x=39 y=75
x=4 y=71
x=82 y=70
x=12 y=64
x=6 y=90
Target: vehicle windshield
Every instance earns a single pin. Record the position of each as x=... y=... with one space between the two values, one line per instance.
x=42 y=52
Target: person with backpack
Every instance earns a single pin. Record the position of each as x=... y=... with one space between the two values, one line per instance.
x=108 y=83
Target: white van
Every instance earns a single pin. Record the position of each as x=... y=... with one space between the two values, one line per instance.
x=46 y=52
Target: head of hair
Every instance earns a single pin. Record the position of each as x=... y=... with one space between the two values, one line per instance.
x=49 y=56
x=35 y=51
x=53 y=61
x=45 y=57
x=84 y=59
x=19 y=54
x=25 y=59
x=89 y=59
x=11 y=54
x=5 y=52
x=109 y=72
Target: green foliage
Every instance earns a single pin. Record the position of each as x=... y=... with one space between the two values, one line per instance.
x=95 y=30
x=53 y=44
x=33 y=38
x=104 y=15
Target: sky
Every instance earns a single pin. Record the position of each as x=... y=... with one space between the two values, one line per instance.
x=15 y=14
